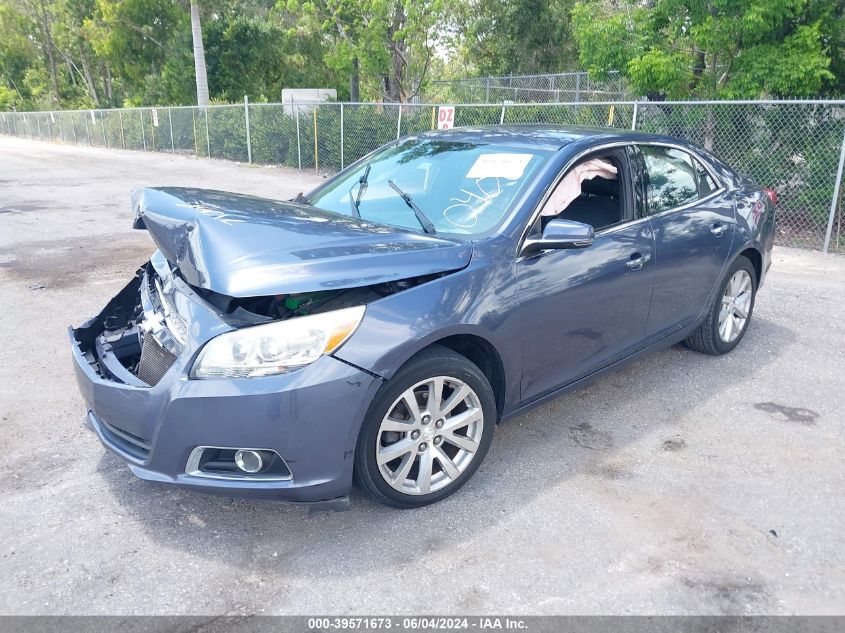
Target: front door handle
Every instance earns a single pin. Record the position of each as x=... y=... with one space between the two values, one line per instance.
x=637 y=261
x=718 y=229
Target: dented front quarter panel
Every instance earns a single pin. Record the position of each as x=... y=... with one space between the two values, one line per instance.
x=479 y=300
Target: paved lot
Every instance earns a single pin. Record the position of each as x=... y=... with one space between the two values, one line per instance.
x=683 y=484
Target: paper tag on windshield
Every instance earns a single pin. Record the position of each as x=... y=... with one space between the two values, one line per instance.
x=510 y=166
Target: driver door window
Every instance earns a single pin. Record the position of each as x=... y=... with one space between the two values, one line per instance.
x=591 y=192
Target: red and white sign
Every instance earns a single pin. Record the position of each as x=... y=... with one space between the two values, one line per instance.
x=445 y=117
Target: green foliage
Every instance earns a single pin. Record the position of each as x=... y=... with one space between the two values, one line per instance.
x=499 y=37
x=715 y=48
x=392 y=41
x=109 y=53
x=112 y=53
x=9 y=99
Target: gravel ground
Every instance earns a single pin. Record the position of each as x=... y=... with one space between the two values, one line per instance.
x=682 y=484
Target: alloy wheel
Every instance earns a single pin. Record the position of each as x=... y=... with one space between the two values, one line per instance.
x=736 y=304
x=430 y=435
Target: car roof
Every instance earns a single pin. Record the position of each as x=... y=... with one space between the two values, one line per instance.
x=541 y=136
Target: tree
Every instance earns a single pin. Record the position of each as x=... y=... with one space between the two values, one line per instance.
x=712 y=48
x=389 y=43
x=40 y=14
x=498 y=37
x=199 y=56
x=18 y=54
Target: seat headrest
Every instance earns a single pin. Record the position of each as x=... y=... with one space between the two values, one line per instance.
x=601 y=186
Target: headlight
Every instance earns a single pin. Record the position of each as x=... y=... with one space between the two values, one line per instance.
x=278 y=347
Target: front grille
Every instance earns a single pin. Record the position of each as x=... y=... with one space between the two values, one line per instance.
x=155 y=361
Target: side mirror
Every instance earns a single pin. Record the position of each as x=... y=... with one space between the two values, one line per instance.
x=560 y=233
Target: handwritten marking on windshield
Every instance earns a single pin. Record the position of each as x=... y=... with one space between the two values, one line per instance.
x=470 y=210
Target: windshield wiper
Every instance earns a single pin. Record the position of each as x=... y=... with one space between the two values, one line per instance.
x=424 y=221
x=355 y=201
x=300 y=199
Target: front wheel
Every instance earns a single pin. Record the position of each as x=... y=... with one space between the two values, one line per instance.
x=427 y=430
x=730 y=313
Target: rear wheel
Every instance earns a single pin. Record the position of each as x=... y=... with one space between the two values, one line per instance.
x=730 y=313
x=427 y=430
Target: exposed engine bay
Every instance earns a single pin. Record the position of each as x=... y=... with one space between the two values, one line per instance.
x=140 y=333
x=286 y=306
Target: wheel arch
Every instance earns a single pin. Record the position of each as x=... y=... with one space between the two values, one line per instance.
x=478 y=350
x=483 y=355
x=753 y=254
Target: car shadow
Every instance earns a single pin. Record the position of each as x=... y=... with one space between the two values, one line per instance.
x=577 y=434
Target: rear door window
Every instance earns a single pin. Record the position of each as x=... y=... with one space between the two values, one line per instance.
x=672 y=179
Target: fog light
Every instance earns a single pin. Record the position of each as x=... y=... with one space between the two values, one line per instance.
x=249 y=461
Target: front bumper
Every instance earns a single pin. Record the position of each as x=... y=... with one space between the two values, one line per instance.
x=310 y=417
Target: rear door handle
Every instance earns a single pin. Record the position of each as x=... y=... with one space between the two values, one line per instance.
x=718 y=229
x=637 y=261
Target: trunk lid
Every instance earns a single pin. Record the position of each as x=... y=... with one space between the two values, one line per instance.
x=242 y=246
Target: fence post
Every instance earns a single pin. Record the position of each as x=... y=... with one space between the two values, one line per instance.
x=207 y=135
x=833 y=203
x=170 y=120
x=341 y=137
x=399 y=124
x=194 y=126
x=87 y=129
x=487 y=90
x=122 y=137
x=143 y=131
x=103 y=125
x=577 y=87
x=316 y=154
x=502 y=117
x=73 y=127
x=634 y=116
x=246 y=118
x=298 y=143
x=38 y=123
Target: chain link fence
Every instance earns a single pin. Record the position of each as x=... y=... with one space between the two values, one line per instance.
x=549 y=88
x=793 y=147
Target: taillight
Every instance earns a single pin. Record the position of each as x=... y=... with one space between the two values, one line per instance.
x=772 y=195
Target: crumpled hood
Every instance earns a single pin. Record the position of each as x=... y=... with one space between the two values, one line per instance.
x=243 y=246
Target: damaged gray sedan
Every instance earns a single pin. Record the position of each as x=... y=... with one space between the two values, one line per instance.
x=378 y=328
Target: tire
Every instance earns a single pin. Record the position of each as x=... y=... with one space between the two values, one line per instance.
x=714 y=336
x=445 y=446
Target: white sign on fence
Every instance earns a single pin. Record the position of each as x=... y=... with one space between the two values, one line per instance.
x=155 y=116
x=93 y=118
x=445 y=117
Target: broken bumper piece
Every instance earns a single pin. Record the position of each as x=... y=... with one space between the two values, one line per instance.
x=171 y=429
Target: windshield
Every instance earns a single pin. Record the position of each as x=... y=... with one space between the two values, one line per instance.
x=460 y=187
